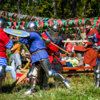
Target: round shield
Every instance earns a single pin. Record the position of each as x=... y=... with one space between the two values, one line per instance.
x=15 y=32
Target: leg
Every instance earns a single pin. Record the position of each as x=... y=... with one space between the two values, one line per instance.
x=45 y=81
x=2 y=75
x=18 y=61
x=40 y=77
x=51 y=73
x=79 y=55
x=13 y=73
x=97 y=73
x=32 y=75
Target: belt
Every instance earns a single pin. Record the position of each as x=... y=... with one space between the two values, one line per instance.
x=2 y=51
x=37 y=51
x=51 y=54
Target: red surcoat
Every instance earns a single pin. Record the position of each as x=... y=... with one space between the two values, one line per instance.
x=4 y=40
x=90 y=55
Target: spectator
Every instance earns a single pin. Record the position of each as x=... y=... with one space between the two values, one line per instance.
x=16 y=54
x=72 y=62
x=25 y=58
x=68 y=46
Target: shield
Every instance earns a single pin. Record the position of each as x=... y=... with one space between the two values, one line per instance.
x=15 y=32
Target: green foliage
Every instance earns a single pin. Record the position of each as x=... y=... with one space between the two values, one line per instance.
x=82 y=88
x=84 y=8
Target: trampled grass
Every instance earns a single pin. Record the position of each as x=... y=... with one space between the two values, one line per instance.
x=82 y=88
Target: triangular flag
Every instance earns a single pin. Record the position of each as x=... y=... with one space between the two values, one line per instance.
x=9 y=23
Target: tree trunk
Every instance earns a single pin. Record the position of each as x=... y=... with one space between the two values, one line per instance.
x=99 y=7
x=72 y=4
x=62 y=9
x=18 y=6
x=27 y=6
x=54 y=7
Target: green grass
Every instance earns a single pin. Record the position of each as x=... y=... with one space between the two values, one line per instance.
x=82 y=88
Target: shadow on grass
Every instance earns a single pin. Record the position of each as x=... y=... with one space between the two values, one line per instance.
x=9 y=88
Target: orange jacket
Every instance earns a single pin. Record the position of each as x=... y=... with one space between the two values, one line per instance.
x=16 y=48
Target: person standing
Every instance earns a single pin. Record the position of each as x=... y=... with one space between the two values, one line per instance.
x=5 y=43
x=16 y=55
x=39 y=57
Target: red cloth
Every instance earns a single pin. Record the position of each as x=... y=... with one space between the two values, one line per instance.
x=51 y=49
x=98 y=38
x=90 y=55
x=4 y=40
x=69 y=47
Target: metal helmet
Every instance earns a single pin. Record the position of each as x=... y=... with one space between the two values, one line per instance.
x=2 y=23
x=32 y=25
x=23 y=28
x=54 y=32
x=55 y=28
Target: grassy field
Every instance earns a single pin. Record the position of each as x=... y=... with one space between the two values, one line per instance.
x=82 y=88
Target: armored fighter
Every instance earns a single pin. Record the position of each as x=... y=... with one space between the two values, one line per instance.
x=39 y=57
x=53 y=36
x=5 y=43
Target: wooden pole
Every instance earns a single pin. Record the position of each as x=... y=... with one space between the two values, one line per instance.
x=60 y=48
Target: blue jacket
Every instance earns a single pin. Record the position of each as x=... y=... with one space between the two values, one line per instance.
x=35 y=43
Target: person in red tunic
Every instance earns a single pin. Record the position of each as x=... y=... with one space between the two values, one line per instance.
x=52 y=36
x=90 y=55
x=96 y=38
x=5 y=43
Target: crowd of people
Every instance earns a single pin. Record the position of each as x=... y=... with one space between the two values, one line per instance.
x=45 y=60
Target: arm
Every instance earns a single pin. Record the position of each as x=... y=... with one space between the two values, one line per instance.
x=7 y=41
x=98 y=36
x=15 y=46
x=24 y=40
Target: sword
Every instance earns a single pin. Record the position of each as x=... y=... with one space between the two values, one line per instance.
x=32 y=14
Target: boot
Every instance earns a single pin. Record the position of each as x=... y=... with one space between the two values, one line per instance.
x=32 y=87
x=62 y=79
x=66 y=83
x=20 y=67
x=79 y=56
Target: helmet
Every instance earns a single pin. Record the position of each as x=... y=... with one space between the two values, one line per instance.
x=32 y=25
x=54 y=32
x=55 y=28
x=2 y=23
x=23 y=28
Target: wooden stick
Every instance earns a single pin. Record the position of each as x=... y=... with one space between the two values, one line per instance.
x=75 y=41
x=21 y=78
x=60 y=48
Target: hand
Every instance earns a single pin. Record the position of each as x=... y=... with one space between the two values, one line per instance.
x=72 y=61
x=47 y=41
x=11 y=49
x=85 y=45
